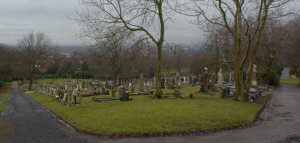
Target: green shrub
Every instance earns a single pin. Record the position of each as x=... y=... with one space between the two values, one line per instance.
x=271 y=76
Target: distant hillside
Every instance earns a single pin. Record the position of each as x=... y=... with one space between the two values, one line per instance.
x=2 y=45
x=71 y=49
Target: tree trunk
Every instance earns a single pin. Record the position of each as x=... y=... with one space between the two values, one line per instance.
x=158 y=93
x=262 y=19
x=249 y=75
x=160 y=43
x=238 y=67
x=239 y=85
x=30 y=84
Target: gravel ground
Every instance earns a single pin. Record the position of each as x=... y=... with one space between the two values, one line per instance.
x=280 y=123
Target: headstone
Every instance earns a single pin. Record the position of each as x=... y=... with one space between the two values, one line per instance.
x=254 y=80
x=65 y=94
x=147 y=87
x=230 y=76
x=177 y=93
x=124 y=96
x=220 y=78
x=205 y=80
x=141 y=83
x=178 y=80
x=163 y=83
x=285 y=73
x=131 y=87
x=75 y=93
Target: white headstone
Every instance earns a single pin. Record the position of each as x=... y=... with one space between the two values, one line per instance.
x=254 y=80
x=285 y=73
x=220 y=77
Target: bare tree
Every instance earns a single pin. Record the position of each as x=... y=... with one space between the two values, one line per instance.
x=112 y=49
x=244 y=20
x=137 y=16
x=33 y=47
x=290 y=53
x=8 y=58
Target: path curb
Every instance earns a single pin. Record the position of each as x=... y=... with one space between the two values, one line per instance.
x=265 y=104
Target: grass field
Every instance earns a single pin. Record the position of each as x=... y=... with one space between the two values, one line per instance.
x=146 y=116
x=290 y=81
x=4 y=98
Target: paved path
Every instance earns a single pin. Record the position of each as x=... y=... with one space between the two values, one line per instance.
x=281 y=124
x=30 y=123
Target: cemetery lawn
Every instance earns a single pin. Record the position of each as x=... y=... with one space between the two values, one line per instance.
x=4 y=97
x=290 y=81
x=145 y=116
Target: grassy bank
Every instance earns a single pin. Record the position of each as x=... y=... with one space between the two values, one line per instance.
x=290 y=81
x=144 y=116
x=4 y=99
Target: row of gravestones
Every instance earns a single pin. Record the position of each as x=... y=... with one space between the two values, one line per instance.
x=65 y=94
x=95 y=87
x=70 y=92
x=254 y=92
x=145 y=86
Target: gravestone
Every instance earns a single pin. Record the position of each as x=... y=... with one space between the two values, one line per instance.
x=285 y=73
x=124 y=96
x=60 y=93
x=75 y=95
x=141 y=83
x=131 y=87
x=65 y=94
x=163 y=83
x=147 y=87
x=205 y=80
x=254 y=80
x=230 y=76
x=178 y=81
x=177 y=93
x=220 y=78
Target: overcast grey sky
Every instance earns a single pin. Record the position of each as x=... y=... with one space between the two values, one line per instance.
x=19 y=17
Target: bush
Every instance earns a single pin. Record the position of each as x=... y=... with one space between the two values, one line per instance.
x=271 y=76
